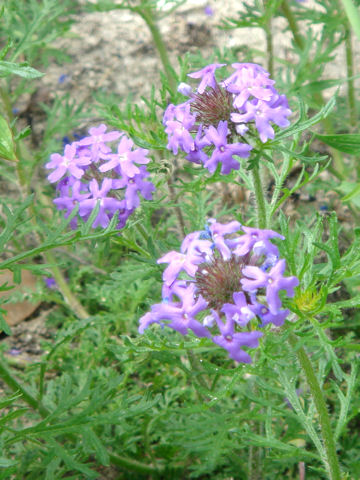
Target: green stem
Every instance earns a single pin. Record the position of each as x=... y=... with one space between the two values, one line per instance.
x=353 y=16
x=69 y=298
x=269 y=44
x=269 y=50
x=318 y=98
x=332 y=463
x=196 y=366
x=298 y=39
x=177 y=209
x=12 y=382
x=149 y=17
x=350 y=74
x=260 y=198
x=134 y=465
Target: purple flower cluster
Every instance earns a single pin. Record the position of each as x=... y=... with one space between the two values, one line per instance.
x=220 y=286
x=219 y=121
x=90 y=173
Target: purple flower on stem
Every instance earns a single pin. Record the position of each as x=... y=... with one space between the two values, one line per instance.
x=196 y=154
x=273 y=282
x=224 y=152
x=209 y=11
x=207 y=75
x=258 y=240
x=209 y=125
x=68 y=164
x=178 y=129
x=177 y=262
x=234 y=341
x=98 y=139
x=249 y=82
x=263 y=113
x=108 y=205
x=90 y=162
x=230 y=281
x=180 y=315
x=125 y=159
x=240 y=312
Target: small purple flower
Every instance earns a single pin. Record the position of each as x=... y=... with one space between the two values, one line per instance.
x=68 y=164
x=273 y=282
x=240 y=311
x=178 y=126
x=124 y=161
x=224 y=152
x=98 y=139
x=231 y=282
x=258 y=240
x=180 y=315
x=263 y=113
x=209 y=11
x=196 y=154
x=207 y=75
x=63 y=78
x=108 y=205
x=247 y=82
x=50 y=282
x=234 y=341
x=177 y=262
x=90 y=162
x=185 y=89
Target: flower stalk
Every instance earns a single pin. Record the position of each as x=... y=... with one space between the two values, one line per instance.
x=260 y=198
x=339 y=167
x=147 y=15
x=332 y=463
x=350 y=75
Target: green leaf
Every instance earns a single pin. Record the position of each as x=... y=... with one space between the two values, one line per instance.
x=7 y=149
x=12 y=415
x=4 y=327
x=347 y=142
x=8 y=401
x=21 y=69
x=304 y=123
x=93 y=440
x=353 y=193
x=71 y=462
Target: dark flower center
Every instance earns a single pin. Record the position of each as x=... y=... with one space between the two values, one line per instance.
x=218 y=279
x=212 y=106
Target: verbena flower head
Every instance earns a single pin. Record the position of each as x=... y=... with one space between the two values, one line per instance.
x=103 y=168
x=221 y=121
x=224 y=286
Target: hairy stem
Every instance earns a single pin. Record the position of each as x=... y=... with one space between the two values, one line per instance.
x=69 y=298
x=16 y=386
x=339 y=167
x=149 y=17
x=332 y=463
x=269 y=46
x=260 y=198
x=298 y=39
x=353 y=15
x=176 y=208
x=350 y=74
